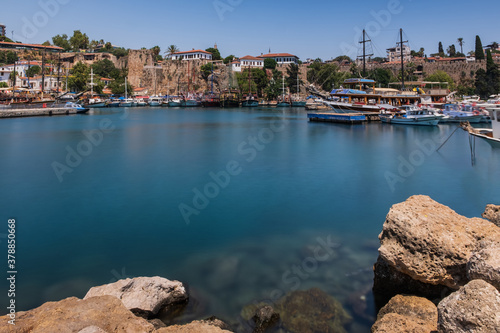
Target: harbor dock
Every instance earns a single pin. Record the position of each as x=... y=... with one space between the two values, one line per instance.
x=37 y=112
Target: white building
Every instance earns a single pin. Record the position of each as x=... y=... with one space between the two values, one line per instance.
x=282 y=58
x=394 y=54
x=253 y=62
x=191 y=55
x=35 y=83
x=21 y=67
x=2 y=29
x=236 y=66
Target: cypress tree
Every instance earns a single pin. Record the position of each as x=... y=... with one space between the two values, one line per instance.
x=492 y=74
x=479 y=49
x=440 y=49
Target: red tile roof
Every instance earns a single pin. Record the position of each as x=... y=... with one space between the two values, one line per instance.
x=248 y=57
x=275 y=55
x=192 y=51
x=36 y=46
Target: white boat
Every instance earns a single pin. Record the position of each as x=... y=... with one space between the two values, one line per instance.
x=490 y=135
x=457 y=113
x=412 y=115
x=140 y=101
x=126 y=102
x=155 y=101
x=75 y=108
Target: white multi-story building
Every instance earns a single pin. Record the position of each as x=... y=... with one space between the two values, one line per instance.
x=191 y=55
x=394 y=54
x=21 y=67
x=236 y=65
x=35 y=83
x=281 y=58
x=253 y=62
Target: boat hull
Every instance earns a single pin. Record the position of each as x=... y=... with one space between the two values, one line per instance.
x=210 y=104
x=174 y=104
x=230 y=104
x=299 y=104
x=494 y=143
x=125 y=105
x=283 y=105
x=190 y=103
x=427 y=121
x=114 y=104
x=458 y=119
x=249 y=104
x=345 y=118
x=96 y=105
x=154 y=104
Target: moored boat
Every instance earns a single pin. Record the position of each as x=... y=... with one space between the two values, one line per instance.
x=412 y=115
x=490 y=135
x=457 y=113
x=155 y=101
x=230 y=98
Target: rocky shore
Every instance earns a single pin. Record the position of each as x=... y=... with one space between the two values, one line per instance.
x=437 y=271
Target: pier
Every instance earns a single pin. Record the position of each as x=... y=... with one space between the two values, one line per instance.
x=37 y=112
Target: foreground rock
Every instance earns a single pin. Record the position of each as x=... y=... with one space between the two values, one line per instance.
x=425 y=247
x=474 y=308
x=144 y=296
x=405 y=314
x=484 y=264
x=71 y=315
x=492 y=213
x=194 y=327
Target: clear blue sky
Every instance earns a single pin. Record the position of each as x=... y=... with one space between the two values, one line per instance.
x=308 y=29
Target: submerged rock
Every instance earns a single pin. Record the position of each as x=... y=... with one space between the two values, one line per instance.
x=492 y=213
x=311 y=311
x=265 y=318
x=105 y=313
x=144 y=296
x=474 y=308
x=425 y=247
x=407 y=314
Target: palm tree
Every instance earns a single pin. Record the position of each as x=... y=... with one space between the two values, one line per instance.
x=172 y=49
x=461 y=43
x=494 y=45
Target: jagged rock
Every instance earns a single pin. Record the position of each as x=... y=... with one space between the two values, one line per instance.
x=312 y=310
x=214 y=321
x=144 y=296
x=492 y=213
x=427 y=245
x=407 y=314
x=194 y=327
x=157 y=323
x=474 y=308
x=485 y=264
x=265 y=318
x=73 y=315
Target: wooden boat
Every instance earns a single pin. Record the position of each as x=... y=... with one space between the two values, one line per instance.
x=490 y=135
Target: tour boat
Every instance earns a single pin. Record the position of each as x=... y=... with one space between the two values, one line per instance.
x=155 y=101
x=490 y=135
x=456 y=114
x=75 y=108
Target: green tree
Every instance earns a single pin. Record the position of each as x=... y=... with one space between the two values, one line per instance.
x=120 y=52
x=461 y=43
x=105 y=68
x=270 y=63
x=258 y=80
x=383 y=76
x=46 y=43
x=378 y=60
x=215 y=53
x=343 y=58
x=440 y=49
x=492 y=75
x=292 y=72
x=481 y=83
x=441 y=76
x=11 y=57
x=79 y=77
x=274 y=88
x=34 y=70
x=479 y=49
x=172 y=49
x=452 y=52
x=229 y=59
x=156 y=53
x=62 y=41
x=79 y=41
x=4 y=85
x=326 y=76
x=118 y=87
x=93 y=44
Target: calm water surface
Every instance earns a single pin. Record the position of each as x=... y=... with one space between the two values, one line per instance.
x=97 y=198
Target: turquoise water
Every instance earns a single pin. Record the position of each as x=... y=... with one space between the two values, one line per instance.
x=112 y=208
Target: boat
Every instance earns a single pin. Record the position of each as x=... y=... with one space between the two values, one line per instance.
x=141 y=101
x=211 y=99
x=95 y=102
x=230 y=98
x=175 y=101
x=155 y=101
x=75 y=108
x=282 y=102
x=250 y=100
x=411 y=115
x=191 y=101
x=297 y=101
x=490 y=135
x=113 y=103
x=457 y=114
x=126 y=102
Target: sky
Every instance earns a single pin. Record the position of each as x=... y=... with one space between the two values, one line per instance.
x=309 y=29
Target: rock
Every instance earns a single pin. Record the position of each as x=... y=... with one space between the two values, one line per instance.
x=312 y=311
x=92 y=329
x=194 y=327
x=407 y=314
x=361 y=303
x=214 y=321
x=492 y=213
x=265 y=318
x=474 y=308
x=157 y=323
x=74 y=315
x=485 y=264
x=427 y=245
x=144 y=296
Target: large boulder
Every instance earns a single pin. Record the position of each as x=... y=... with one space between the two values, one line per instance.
x=407 y=314
x=425 y=247
x=484 y=264
x=145 y=296
x=474 y=308
x=97 y=314
x=492 y=213
x=194 y=327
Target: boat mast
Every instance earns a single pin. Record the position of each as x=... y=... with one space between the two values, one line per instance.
x=249 y=83
x=364 y=52
x=91 y=81
x=212 y=89
x=43 y=71
x=126 y=97
x=58 y=72
x=401 y=45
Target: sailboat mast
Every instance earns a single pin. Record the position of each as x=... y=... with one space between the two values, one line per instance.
x=212 y=88
x=402 y=61
x=126 y=88
x=364 y=53
x=91 y=81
